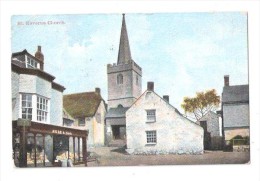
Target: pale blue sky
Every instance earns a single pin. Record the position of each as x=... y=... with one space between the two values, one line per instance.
x=181 y=52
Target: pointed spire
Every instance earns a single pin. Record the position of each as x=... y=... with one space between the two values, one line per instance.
x=124 y=53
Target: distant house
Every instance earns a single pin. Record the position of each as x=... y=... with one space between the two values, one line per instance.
x=235 y=110
x=88 y=110
x=153 y=126
x=211 y=126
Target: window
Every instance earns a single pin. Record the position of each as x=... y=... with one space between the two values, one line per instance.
x=151 y=137
x=27 y=106
x=31 y=63
x=42 y=109
x=136 y=80
x=151 y=115
x=120 y=79
x=82 y=122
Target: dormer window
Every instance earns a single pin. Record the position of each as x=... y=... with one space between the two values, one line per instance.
x=31 y=63
x=120 y=79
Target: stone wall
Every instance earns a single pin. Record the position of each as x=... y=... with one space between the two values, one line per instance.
x=175 y=133
x=126 y=93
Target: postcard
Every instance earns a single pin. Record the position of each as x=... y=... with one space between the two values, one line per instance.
x=130 y=89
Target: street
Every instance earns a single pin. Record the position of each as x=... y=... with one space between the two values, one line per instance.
x=114 y=156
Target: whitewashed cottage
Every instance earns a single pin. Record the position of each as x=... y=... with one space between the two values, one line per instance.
x=154 y=126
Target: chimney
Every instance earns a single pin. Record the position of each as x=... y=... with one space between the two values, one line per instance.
x=40 y=56
x=150 y=86
x=166 y=98
x=97 y=90
x=226 y=80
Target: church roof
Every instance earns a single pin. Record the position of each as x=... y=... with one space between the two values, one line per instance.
x=237 y=93
x=82 y=105
x=124 y=53
x=118 y=112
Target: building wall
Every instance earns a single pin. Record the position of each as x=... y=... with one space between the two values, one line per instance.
x=15 y=96
x=235 y=115
x=56 y=103
x=175 y=134
x=212 y=123
x=96 y=127
x=90 y=127
x=99 y=125
x=232 y=132
x=137 y=88
x=32 y=84
x=27 y=83
x=128 y=90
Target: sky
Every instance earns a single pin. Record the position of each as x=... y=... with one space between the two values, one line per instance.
x=182 y=53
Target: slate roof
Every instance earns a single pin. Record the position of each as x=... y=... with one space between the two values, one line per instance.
x=82 y=105
x=237 y=93
x=118 y=112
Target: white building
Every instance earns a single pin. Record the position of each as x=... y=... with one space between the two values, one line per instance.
x=153 y=126
x=35 y=95
x=37 y=103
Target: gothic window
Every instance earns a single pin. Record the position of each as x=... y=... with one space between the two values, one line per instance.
x=137 y=81
x=120 y=79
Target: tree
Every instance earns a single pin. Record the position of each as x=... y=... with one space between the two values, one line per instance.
x=201 y=104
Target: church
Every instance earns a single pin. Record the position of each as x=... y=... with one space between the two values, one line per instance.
x=124 y=87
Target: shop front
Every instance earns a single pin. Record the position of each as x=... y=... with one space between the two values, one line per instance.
x=43 y=145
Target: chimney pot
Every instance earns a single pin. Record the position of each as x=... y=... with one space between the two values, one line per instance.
x=166 y=98
x=97 y=90
x=226 y=80
x=39 y=48
x=150 y=86
x=39 y=55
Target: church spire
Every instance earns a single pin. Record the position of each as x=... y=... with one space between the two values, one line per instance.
x=124 y=53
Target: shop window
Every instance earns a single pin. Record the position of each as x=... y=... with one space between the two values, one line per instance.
x=30 y=150
x=48 y=150
x=39 y=150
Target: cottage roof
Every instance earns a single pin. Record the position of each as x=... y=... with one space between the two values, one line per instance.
x=82 y=105
x=118 y=112
x=237 y=93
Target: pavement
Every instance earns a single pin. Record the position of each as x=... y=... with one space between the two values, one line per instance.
x=116 y=156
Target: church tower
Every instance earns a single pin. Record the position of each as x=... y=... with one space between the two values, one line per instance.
x=125 y=76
